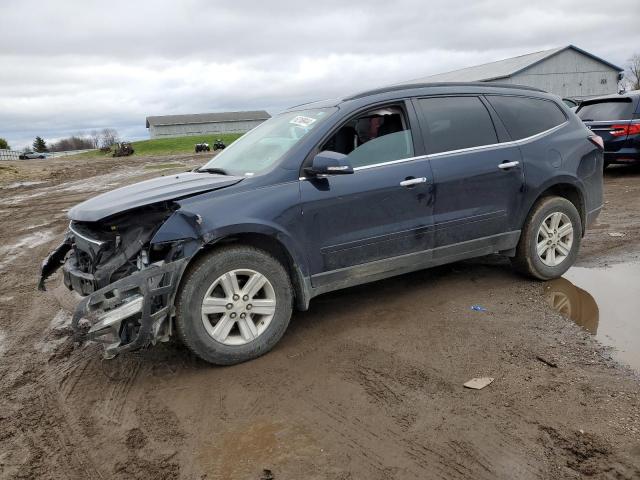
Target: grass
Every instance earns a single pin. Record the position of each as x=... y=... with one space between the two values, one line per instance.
x=169 y=146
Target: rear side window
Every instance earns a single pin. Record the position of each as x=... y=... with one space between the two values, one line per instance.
x=454 y=123
x=619 y=109
x=524 y=117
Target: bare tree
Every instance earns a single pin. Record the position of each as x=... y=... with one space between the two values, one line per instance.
x=94 y=135
x=108 y=137
x=75 y=142
x=633 y=74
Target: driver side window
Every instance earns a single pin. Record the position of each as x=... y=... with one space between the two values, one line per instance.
x=377 y=136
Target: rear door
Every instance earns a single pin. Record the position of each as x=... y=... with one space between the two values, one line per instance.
x=477 y=179
x=610 y=118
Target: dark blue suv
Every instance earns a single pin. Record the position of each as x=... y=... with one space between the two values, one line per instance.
x=325 y=196
x=615 y=118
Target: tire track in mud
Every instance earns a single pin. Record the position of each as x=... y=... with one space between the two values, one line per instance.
x=118 y=394
x=398 y=448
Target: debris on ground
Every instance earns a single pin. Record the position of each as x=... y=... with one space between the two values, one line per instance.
x=617 y=234
x=478 y=308
x=546 y=361
x=478 y=383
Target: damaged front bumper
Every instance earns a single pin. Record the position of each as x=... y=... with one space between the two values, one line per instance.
x=127 y=269
x=132 y=312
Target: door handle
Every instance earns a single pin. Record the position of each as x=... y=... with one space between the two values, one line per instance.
x=507 y=165
x=412 y=181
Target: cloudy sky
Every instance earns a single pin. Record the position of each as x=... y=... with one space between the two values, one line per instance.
x=72 y=66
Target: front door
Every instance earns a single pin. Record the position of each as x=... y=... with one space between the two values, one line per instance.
x=382 y=210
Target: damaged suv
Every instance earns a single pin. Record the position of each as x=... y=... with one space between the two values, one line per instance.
x=325 y=196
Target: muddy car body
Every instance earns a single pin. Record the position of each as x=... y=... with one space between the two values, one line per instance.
x=326 y=196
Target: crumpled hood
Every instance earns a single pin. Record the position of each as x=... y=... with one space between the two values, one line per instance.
x=148 y=192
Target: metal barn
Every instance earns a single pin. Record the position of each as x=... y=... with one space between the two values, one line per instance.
x=204 y=123
x=569 y=72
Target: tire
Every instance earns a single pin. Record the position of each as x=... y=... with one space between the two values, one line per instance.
x=41 y=157
x=196 y=329
x=548 y=265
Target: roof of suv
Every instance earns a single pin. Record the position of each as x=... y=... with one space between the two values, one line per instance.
x=614 y=96
x=413 y=86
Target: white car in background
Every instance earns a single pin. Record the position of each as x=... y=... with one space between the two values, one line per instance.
x=28 y=155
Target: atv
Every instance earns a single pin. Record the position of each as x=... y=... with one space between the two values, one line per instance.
x=202 y=147
x=122 y=149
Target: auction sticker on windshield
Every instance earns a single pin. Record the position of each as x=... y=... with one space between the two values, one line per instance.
x=302 y=121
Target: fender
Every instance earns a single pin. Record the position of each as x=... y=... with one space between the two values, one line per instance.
x=184 y=225
x=536 y=191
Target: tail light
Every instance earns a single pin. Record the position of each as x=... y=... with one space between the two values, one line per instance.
x=597 y=140
x=624 y=130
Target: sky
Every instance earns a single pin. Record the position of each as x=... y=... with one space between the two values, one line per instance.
x=70 y=66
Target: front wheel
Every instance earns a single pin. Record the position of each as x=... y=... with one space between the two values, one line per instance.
x=550 y=239
x=234 y=306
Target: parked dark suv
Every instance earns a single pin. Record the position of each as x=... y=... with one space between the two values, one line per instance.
x=325 y=196
x=615 y=118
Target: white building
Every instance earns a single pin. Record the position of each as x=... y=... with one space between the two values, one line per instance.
x=568 y=72
x=204 y=123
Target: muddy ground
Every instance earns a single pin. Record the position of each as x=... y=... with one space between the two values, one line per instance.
x=366 y=385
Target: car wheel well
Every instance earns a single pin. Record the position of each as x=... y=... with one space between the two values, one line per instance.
x=571 y=193
x=270 y=245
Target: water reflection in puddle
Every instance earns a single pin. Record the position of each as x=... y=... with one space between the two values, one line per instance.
x=606 y=303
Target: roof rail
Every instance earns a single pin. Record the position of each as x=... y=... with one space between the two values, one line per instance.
x=395 y=88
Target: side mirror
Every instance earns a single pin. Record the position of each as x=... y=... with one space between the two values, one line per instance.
x=329 y=163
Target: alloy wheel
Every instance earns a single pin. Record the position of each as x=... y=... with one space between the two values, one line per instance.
x=554 y=239
x=238 y=307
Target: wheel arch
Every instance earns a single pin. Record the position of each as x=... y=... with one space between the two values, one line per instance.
x=568 y=190
x=268 y=242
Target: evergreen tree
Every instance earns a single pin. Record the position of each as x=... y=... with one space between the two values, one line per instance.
x=4 y=145
x=39 y=145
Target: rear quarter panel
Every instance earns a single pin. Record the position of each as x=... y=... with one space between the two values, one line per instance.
x=565 y=156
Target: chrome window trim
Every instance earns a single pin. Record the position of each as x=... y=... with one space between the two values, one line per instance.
x=91 y=240
x=390 y=162
x=511 y=143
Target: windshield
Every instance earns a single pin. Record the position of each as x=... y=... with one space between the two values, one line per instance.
x=263 y=146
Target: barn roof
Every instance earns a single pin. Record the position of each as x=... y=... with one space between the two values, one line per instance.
x=217 y=117
x=505 y=68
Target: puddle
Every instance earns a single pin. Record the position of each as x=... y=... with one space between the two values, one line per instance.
x=606 y=303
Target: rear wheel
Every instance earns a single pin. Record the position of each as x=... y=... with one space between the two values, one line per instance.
x=550 y=239
x=234 y=306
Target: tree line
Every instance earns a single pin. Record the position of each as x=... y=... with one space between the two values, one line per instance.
x=92 y=140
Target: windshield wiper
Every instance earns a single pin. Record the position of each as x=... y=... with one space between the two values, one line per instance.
x=221 y=171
